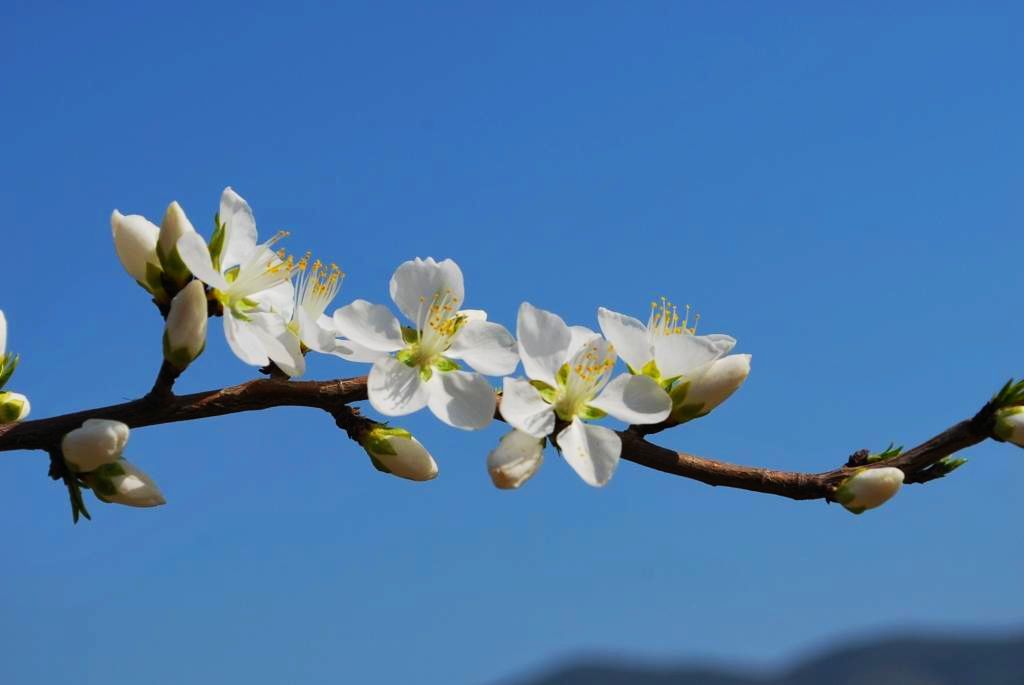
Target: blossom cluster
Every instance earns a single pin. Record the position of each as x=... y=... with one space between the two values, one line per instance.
x=13 y=405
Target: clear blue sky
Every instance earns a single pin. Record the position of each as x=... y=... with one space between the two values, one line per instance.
x=840 y=190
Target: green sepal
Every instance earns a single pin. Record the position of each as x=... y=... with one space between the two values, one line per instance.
x=10 y=410
x=682 y=412
x=562 y=377
x=410 y=336
x=592 y=413
x=446 y=364
x=545 y=390
x=426 y=373
x=8 y=363
x=154 y=282
x=379 y=465
x=231 y=274
x=181 y=357
x=173 y=266
x=407 y=356
x=650 y=369
x=217 y=241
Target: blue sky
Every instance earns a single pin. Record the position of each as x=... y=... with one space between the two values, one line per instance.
x=839 y=189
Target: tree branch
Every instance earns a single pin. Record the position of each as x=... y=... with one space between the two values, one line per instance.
x=334 y=396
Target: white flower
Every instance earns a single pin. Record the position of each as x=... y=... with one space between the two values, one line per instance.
x=1010 y=425
x=690 y=367
x=869 y=488
x=396 y=451
x=13 y=407
x=122 y=482
x=135 y=240
x=252 y=282
x=97 y=442
x=570 y=370
x=185 y=330
x=174 y=225
x=424 y=370
x=516 y=458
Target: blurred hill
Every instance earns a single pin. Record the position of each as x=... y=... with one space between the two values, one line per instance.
x=896 y=661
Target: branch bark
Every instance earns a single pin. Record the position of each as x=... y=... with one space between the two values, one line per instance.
x=334 y=396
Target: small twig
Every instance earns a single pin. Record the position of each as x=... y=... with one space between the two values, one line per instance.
x=165 y=379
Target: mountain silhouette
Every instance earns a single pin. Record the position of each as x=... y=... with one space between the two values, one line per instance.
x=894 y=661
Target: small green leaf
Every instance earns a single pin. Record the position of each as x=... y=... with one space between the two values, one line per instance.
x=217 y=241
x=8 y=363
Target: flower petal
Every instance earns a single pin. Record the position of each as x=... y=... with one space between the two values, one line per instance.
x=544 y=342
x=240 y=231
x=370 y=325
x=581 y=335
x=629 y=335
x=473 y=314
x=196 y=255
x=487 y=347
x=394 y=388
x=524 y=409
x=244 y=341
x=279 y=342
x=354 y=352
x=516 y=458
x=3 y=333
x=314 y=335
x=461 y=399
x=682 y=353
x=636 y=400
x=723 y=342
x=415 y=284
x=592 y=451
x=717 y=384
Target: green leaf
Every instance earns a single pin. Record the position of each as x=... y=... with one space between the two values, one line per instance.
x=8 y=363
x=888 y=453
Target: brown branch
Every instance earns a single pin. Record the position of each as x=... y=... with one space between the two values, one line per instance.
x=333 y=396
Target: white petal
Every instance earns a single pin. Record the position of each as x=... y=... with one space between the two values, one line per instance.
x=133 y=488
x=723 y=342
x=240 y=232
x=544 y=342
x=461 y=399
x=592 y=451
x=3 y=333
x=135 y=239
x=629 y=336
x=279 y=342
x=415 y=284
x=279 y=299
x=581 y=335
x=193 y=251
x=314 y=335
x=681 y=354
x=97 y=442
x=244 y=341
x=523 y=408
x=718 y=383
x=636 y=400
x=394 y=388
x=473 y=314
x=487 y=347
x=354 y=352
x=516 y=458
x=370 y=325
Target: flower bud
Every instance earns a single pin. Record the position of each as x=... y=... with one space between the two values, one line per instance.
x=698 y=397
x=516 y=458
x=135 y=240
x=174 y=225
x=3 y=333
x=97 y=442
x=185 y=330
x=8 y=362
x=869 y=488
x=396 y=451
x=13 y=407
x=1010 y=425
x=122 y=482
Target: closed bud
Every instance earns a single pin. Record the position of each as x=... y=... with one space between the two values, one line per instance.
x=13 y=407
x=122 y=482
x=174 y=225
x=516 y=458
x=396 y=451
x=869 y=488
x=135 y=240
x=97 y=442
x=185 y=330
x=1010 y=425
x=693 y=398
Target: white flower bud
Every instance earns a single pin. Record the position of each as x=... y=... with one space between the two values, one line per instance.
x=122 y=482
x=869 y=488
x=396 y=451
x=1010 y=425
x=174 y=225
x=135 y=240
x=13 y=407
x=97 y=442
x=185 y=330
x=3 y=333
x=516 y=458
x=698 y=397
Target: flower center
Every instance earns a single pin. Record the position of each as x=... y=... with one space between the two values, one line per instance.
x=582 y=377
x=436 y=325
x=315 y=286
x=665 y=320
